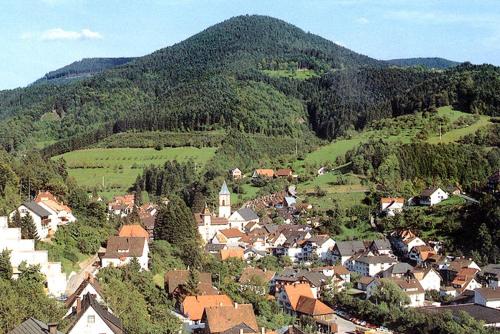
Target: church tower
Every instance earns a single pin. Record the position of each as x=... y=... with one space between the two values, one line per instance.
x=224 y=201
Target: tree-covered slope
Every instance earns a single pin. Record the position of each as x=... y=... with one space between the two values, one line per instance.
x=427 y=62
x=220 y=78
x=84 y=68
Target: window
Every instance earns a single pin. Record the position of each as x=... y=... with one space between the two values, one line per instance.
x=91 y=319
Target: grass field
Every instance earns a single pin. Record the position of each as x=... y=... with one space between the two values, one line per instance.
x=302 y=74
x=329 y=153
x=117 y=168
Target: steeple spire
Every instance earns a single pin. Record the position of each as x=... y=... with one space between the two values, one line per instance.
x=224 y=190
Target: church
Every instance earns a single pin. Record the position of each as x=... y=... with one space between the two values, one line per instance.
x=209 y=224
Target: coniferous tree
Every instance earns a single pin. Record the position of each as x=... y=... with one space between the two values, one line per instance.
x=5 y=265
x=192 y=282
x=28 y=228
x=15 y=222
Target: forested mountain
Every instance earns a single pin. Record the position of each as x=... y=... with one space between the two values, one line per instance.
x=84 y=68
x=427 y=62
x=230 y=76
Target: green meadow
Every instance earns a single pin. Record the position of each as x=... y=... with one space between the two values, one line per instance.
x=113 y=170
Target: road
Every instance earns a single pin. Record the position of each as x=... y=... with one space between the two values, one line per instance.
x=87 y=267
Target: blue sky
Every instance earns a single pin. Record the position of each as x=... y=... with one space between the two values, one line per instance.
x=38 y=36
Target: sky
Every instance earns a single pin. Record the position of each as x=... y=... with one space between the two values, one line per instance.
x=38 y=36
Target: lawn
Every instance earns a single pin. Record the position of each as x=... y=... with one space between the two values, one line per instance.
x=113 y=170
x=250 y=192
x=301 y=74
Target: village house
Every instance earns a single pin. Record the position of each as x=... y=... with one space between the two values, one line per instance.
x=319 y=247
x=339 y=275
x=421 y=254
x=133 y=230
x=35 y=326
x=237 y=318
x=122 y=206
x=284 y=173
x=88 y=285
x=147 y=217
x=58 y=209
x=242 y=217
x=487 y=297
x=411 y=287
x=253 y=254
x=257 y=280
x=316 y=280
x=344 y=250
x=264 y=173
x=381 y=247
x=404 y=241
x=428 y=277
x=121 y=250
x=176 y=280
x=391 y=206
x=91 y=317
x=465 y=280
x=491 y=274
x=398 y=270
x=432 y=196
x=372 y=265
x=451 y=269
x=192 y=309
x=292 y=247
x=45 y=221
x=23 y=250
x=236 y=174
x=229 y=237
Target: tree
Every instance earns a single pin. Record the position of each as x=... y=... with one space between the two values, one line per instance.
x=391 y=294
x=5 y=265
x=15 y=222
x=28 y=228
x=192 y=282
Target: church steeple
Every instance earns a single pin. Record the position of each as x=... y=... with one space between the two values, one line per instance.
x=224 y=201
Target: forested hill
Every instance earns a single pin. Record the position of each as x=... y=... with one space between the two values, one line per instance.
x=84 y=68
x=429 y=62
x=257 y=74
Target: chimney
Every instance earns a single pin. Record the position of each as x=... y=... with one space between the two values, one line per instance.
x=52 y=327
x=241 y=330
x=235 y=306
x=262 y=330
x=78 y=305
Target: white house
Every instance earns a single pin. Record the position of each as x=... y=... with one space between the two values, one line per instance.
x=432 y=196
x=91 y=317
x=242 y=217
x=487 y=297
x=372 y=265
x=23 y=250
x=62 y=212
x=319 y=246
x=45 y=221
x=381 y=247
x=230 y=237
x=429 y=278
x=391 y=205
x=343 y=250
x=121 y=250
x=88 y=286
x=236 y=174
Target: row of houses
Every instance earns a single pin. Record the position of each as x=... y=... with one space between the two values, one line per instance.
x=236 y=173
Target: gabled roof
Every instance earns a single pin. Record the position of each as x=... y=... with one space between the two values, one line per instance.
x=312 y=306
x=410 y=286
x=36 y=209
x=376 y=259
x=89 y=280
x=193 y=306
x=232 y=233
x=247 y=214
x=224 y=190
x=111 y=320
x=492 y=269
x=479 y=312
x=284 y=172
x=225 y=318
x=489 y=294
x=295 y=291
x=123 y=247
x=265 y=172
x=251 y=273
x=236 y=252
x=134 y=230
x=381 y=244
x=349 y=248
x=32 y=326
x=399 y=200
x=51 y=201
x=177 y=278
x=399 y=268
x=429 y=191
x=424 y=251
x=319 y=239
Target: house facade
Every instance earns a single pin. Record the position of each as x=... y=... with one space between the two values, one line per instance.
x=432 y=196
x=121 y=250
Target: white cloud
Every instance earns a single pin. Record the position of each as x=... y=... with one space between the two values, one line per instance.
x=58 y=34
x=362 y=20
